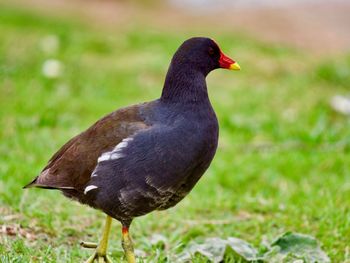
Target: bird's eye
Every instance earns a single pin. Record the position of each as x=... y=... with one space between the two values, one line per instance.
x=211 y=51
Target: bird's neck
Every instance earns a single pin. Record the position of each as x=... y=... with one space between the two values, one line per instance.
x=184 y=84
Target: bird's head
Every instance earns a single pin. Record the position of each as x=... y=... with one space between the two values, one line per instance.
x=203 y=54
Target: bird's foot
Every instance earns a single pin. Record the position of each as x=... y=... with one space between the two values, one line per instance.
x=99 y=258
x=96 y=256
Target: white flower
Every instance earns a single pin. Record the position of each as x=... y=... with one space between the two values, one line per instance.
x=341 y=104
x=52 y=68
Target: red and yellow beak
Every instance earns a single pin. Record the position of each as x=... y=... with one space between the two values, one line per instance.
x=228 y=63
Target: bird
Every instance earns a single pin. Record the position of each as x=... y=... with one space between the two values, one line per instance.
x=147 y=156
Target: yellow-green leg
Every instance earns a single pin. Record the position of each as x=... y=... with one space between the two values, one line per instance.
x=127 y=245
x=100 y=254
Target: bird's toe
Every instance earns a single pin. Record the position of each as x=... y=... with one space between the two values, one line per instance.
x=96 y=257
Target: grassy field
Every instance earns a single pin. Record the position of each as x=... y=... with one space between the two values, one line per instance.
x=282 y=163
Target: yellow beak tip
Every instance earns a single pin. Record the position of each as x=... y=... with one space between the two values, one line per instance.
x=235 y=66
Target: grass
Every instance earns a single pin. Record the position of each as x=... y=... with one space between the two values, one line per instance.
x=282 y=163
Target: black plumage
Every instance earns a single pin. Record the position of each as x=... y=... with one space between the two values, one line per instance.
x=148 y=156
x=161 y=163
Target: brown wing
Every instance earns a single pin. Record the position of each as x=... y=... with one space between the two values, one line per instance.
x=72 y=165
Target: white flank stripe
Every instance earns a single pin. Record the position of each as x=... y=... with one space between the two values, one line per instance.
x=116 y=156
x=89 y=188
x=104 y=157
x=121 y=145
x=94 y=174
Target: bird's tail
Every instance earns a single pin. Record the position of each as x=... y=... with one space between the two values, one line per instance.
x=31 y=184
x=34 y=183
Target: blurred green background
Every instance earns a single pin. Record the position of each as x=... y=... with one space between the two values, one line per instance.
x=284 y=153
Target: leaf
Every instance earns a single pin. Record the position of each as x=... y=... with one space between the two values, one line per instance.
x=291 y=247
x=212 y=248
x=215 y=249
x=288 y=248
x=17 y=230
x=242 y=248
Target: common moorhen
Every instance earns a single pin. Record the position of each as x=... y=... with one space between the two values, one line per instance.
x=148 y=156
